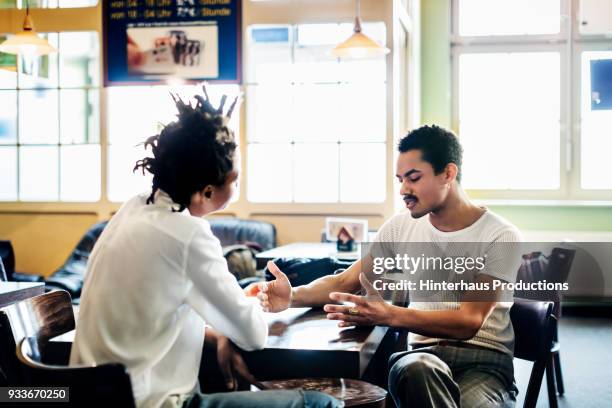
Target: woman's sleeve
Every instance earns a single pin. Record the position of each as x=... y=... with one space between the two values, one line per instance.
x=217 y=297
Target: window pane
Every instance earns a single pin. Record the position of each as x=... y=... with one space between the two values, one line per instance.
x=316 y=172
x=270 y=172
x=315 y=66
x=509 y=17
x=131 y=114
x=595 y=142
x=8 y=117
x=80 y=173
x=8 y=173
x=47 y=68
x=79 y=59
x=368 y=70
x=8 y=68
x=362 y=172
x=38 y=173
x=78 y=116
x=122 y=182
x=77 y=3
x=316 y=112
x=362 y=113
x=38 y=116
x=509 y=107
x=269 y=110
x=269 y=56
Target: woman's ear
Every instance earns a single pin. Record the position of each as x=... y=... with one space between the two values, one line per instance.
x=208 y=191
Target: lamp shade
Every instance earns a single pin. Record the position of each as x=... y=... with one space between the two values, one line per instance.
x=27 y=41
x=359 y=45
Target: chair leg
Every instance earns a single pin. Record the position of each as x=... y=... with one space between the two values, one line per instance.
x=550 y=382
x=558 y=374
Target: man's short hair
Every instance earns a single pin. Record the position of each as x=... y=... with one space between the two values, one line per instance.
x=438 y=147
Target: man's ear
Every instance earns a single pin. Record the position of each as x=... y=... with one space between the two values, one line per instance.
x=451 y=172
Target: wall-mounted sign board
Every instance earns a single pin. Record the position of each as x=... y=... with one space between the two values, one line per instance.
x=156 y=41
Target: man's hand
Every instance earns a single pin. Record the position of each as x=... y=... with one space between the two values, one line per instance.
x=369 y=310
x=231 y=364
x=275 y=296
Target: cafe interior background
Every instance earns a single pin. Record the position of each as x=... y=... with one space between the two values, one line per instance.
x=523 y=83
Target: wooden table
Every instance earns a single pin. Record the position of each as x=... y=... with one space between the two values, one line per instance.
x=312 y=250
x=11 y=292
x=302 y=343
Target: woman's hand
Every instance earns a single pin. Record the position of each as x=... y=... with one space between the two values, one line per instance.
x=275 y=296
x=232 y=365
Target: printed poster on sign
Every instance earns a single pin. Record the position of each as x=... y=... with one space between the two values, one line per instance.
x=161 y=41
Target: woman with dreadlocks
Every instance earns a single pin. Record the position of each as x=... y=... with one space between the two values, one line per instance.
x=157 y=279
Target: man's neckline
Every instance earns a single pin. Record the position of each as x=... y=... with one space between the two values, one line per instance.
x=462 y=230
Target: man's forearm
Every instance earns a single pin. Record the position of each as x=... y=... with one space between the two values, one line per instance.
x=317 y=292
x=447 y=324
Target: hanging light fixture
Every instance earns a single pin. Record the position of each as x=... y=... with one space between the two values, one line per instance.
x=359 y=45
x=27 y=42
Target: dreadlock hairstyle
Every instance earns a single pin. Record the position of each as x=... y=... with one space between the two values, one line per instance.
x=192 y=152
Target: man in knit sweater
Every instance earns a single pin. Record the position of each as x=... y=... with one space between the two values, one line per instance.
x=461 y=341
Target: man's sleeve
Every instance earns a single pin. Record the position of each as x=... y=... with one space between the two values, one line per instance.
x=218 y=298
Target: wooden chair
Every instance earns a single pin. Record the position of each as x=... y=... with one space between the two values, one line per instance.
x=105 y=385
x=559 y=266
x=556 y=271
x=41 y=317
x=534 y=325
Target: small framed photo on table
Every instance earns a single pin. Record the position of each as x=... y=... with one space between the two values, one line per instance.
x=346 y=232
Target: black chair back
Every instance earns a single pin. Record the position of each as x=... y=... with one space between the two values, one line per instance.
x=3 y=277
x=534 y=325
x=559 y=264
x=7 y=257
x=231 y=231
x=105 y=385
x=41 y=317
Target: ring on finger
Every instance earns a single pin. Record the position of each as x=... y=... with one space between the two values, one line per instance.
x=353 y=311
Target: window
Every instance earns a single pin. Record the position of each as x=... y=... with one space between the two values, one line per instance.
x=134 y=114
x=524 y=101
x=508 y=17
x=509 y=120
x=316 y=126
x=49 y=125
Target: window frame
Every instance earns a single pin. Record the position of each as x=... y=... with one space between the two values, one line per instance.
x=569 y=42
x=250 y=87
x=89 y=90
x=395 y=17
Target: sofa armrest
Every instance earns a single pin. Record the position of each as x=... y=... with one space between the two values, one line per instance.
x=26 y=277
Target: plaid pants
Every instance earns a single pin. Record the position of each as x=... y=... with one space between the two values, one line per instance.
x=448 y=376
